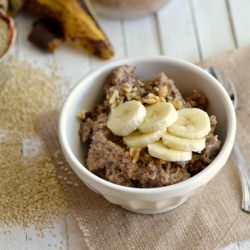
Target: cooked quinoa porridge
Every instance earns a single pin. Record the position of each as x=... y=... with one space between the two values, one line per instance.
x=146 y=134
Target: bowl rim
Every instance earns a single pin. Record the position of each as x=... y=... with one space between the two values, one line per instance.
x=224 y=152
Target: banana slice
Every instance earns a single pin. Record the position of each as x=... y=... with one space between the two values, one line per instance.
x=158 y=117
x=139 y=140
x=126 y=118
x=178 y=143
x=192 y=123
x=159 y=150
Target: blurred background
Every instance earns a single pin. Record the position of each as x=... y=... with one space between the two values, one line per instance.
x=189 y=29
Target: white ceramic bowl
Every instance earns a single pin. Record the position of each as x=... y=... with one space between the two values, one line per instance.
x=88 y=92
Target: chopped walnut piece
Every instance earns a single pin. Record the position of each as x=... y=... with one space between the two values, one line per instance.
x=140 y=83
x=177 y=103
x=162 y=99
x=163 y=91
x=150 y=99
x=126 y=87
x=113 y=101
x=135 y=154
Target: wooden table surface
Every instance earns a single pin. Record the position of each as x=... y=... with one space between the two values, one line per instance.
x=189 y=29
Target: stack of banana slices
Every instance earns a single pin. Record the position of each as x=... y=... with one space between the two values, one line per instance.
x=169 y=134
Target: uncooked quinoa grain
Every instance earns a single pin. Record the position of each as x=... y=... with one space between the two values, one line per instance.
x=30 y=191
x=25 y=92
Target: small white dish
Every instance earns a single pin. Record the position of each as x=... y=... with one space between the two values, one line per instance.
x=88 y=92
x=127 y=9
x=11 y=26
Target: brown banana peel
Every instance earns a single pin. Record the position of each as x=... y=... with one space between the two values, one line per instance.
x=78 y=24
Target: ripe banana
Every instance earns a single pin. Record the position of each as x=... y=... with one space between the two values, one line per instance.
x=126 y=118
x=192 y=123
x=139 y=140
x=158 y=117
x=159 y=150
x=77 y=21
x=178 y=143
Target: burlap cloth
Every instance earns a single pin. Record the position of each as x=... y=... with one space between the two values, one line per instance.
x=207 y=221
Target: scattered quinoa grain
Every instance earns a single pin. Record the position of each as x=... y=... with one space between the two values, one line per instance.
x=29 y=187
